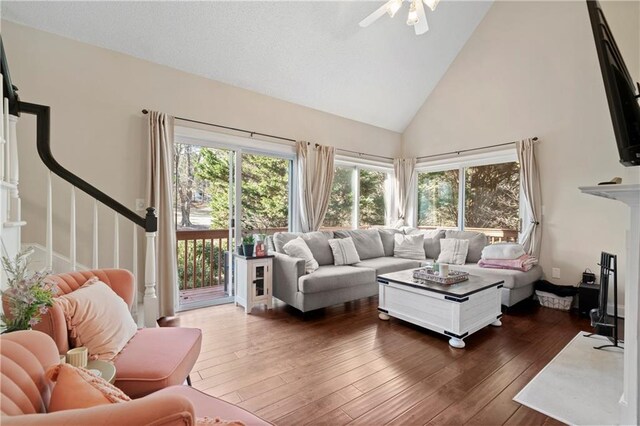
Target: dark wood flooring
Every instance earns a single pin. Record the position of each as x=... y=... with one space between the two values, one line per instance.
x=342 y=365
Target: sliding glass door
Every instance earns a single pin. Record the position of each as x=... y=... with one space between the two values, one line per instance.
x=209 y=181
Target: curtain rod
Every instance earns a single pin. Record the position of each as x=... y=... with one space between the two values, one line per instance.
x=535 y=139
x=252 y=133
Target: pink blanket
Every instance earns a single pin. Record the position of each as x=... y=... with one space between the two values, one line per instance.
x=523 y=263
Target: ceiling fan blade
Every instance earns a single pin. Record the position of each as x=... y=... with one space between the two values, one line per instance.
x=375 y=15
x=421 y=26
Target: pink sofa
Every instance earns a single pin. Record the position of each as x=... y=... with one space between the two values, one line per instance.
x=25 y=393
x=152 y=360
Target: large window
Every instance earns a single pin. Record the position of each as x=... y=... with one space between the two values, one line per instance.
x=371 y=200
x=487 y=201
x=357 y=198
x=341 y=210
x=492 y=196
x=438 y=199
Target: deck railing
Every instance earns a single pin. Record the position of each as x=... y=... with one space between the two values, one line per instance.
x=201 y=256
x=495 y=235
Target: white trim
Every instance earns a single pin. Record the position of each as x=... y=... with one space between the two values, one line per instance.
x=212 y=139
x=345 y=160
x=483 y=159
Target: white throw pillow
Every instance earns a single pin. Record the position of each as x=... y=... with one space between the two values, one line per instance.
x=344 y=251
x=409 y=246
x=299 y=248
x=453 y=251
x=97 y=318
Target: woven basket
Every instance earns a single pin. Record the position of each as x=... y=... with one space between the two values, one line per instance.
x=550 y=300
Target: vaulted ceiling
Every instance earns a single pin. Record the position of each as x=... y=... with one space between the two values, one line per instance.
x=309 y=53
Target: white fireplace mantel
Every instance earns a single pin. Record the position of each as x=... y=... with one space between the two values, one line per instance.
x=630 y=195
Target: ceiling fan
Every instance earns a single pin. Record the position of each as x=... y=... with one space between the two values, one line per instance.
x=416 y=18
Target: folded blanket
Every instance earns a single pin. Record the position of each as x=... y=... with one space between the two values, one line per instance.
x=523 y=263
x=503 y=251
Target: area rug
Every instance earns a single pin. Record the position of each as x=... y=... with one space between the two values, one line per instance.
x=580 y=386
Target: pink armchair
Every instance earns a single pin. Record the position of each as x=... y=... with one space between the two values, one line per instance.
x=152 y=360
x=25 y=394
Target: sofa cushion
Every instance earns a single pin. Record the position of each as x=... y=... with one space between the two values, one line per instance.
x=367 y=241
x=409 y=247
x=299 y=249
x=512 y=279
x=318 y=243
x=344 y=251
x=385 y=265
x=477 y=241
x=454 y=251
x=432 y=239
x=331 y=277
x=386 y=236
x=156 y=358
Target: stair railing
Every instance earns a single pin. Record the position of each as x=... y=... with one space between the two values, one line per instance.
x=149 y=222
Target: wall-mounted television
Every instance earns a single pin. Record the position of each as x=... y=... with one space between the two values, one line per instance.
x=622 y=92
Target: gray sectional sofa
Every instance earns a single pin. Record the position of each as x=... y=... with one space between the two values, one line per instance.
x=331 y=284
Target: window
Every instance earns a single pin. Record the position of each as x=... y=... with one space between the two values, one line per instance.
x=492 y=197
x=341 y=210
x=265 y=193
x=438 y=199
x=489 y=202
x=357 y=198
x=371 y=204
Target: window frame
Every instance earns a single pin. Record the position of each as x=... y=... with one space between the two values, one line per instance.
x=461 y=164
x=243 y=145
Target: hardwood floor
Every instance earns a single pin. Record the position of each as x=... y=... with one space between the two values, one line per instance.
x=342 y=365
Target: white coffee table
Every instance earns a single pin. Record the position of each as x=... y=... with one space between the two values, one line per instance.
x=456 y=310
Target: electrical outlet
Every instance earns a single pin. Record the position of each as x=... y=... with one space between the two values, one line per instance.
x=555 y=273
x=140 y=205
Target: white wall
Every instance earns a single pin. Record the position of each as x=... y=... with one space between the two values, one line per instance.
x=530 y=69
x=99 y=133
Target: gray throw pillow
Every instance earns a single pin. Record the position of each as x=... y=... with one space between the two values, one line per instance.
x=386 y=236
x=409 y=246
x=344 y=251
x=367 y=241
x=477 y=241
x=318 y=243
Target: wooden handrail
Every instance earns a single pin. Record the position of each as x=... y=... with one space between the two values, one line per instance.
x=43 y=142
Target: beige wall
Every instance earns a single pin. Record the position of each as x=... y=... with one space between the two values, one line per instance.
x=530 y=69
x=99 y=132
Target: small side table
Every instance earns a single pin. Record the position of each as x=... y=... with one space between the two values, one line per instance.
x=588 y=298
x=253 y=281
x=106 y=369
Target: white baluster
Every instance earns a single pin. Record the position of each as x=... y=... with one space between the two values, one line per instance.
x=49 y=237
x=14 y=170
x=116 y=242
x=150 y=297
x=3 y=137
x=94 y=263
x=5 y=125
x=72 y=231
x=134 y=306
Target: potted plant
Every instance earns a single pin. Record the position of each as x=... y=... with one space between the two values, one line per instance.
x=28 y=295
x=247 y=245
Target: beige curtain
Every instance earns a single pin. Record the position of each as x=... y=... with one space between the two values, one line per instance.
x=530 y=180
x=159 y=195
x=315 y=178
x=405 y=178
